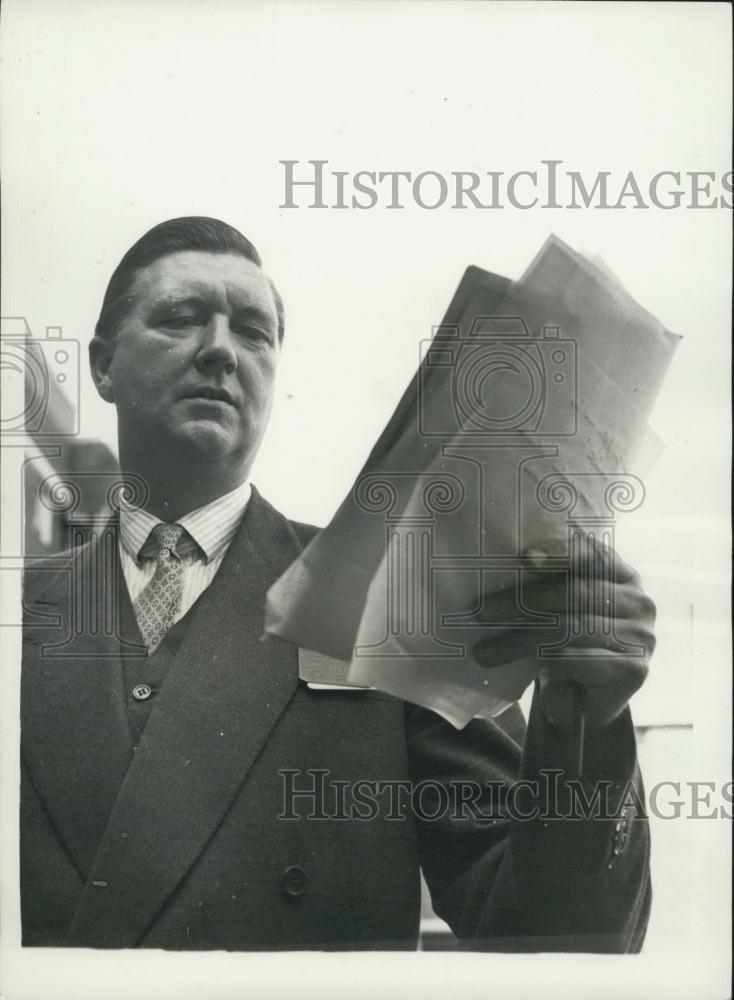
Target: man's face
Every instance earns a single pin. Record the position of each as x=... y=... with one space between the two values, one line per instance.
x=194 y=360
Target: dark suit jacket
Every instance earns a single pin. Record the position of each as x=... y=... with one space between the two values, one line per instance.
x=179 y=837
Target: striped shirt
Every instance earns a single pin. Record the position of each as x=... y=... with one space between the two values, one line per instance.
x=210 y=530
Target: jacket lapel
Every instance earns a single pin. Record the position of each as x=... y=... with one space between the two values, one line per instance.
x=77 y=742
x=224 y=693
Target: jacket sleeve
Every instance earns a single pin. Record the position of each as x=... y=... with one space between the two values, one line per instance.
x=518 y=859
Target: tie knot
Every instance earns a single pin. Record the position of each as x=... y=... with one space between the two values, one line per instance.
x=167 y=537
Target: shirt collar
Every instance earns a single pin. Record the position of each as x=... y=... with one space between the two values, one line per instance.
x=212 y=526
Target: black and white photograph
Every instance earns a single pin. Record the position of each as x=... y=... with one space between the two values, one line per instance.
x=366 y=540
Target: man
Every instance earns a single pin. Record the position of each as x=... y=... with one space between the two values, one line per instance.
x=164 y=802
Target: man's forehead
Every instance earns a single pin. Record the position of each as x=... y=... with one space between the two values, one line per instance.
x=193 y=272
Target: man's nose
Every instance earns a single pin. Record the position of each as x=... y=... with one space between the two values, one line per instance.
x=216 y=348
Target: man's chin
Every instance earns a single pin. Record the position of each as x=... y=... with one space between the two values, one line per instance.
x=207 y=440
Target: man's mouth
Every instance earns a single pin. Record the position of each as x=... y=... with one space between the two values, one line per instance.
x=212 y=393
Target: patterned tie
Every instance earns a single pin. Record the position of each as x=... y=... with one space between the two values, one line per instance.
x=156 y=606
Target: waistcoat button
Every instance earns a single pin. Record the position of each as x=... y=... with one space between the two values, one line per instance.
x=295 y=881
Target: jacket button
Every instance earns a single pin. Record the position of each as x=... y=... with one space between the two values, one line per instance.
x=141 y=692
x=295 y=881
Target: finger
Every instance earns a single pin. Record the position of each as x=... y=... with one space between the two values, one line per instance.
x=588 y=556
x=527 y=599
x=598 y=673
x=608 y=688
x=512 y=645
x=611 y=565
x=624 y=637
x=628 y=638
x=544 y=594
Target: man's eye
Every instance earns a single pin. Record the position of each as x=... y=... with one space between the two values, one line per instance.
x=252 y=333
x=179 y=321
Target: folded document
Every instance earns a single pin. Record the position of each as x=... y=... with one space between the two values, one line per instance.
x=526 y=420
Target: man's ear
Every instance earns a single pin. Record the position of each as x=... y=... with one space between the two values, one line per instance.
x=101 y=352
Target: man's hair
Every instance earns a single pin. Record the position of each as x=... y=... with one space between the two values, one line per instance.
x=195 y=232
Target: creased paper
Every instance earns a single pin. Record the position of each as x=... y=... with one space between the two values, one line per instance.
x=527 y=420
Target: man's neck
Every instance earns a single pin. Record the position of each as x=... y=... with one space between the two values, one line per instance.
x=168 y=490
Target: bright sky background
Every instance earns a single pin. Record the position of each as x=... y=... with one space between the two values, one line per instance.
x=118 y=115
